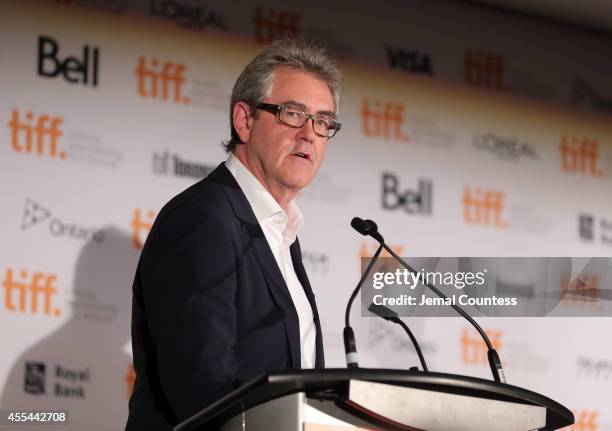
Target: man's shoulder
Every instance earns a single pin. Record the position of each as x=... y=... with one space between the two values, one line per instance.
x=206 y=200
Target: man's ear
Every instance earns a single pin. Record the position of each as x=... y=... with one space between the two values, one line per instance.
x=243 y=121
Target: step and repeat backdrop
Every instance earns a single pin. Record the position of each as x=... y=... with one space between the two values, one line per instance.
x=465 y=133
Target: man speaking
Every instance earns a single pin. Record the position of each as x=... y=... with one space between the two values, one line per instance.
x=220 y=294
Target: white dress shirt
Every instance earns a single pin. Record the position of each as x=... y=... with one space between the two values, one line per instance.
x=280 y=230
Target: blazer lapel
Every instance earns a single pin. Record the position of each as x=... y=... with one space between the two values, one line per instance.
x=265 y=258
x=296 y=257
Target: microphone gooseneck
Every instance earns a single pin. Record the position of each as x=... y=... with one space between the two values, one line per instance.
x=369 y=228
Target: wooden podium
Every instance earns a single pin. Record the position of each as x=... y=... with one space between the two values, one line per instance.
x=378 y=399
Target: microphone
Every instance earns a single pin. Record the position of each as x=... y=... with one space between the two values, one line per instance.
x=350 y=346
x=391 y=316
x=369 y=228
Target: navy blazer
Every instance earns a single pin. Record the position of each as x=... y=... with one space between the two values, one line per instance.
x=210 y=307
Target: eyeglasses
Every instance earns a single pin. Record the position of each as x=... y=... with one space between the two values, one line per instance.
x=323 y=125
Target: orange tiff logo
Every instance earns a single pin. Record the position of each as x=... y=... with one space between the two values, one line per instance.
x=161 y=81
x=38 y=135
x=586 y=420
x=383 y=119
x=580 y=156
x=130 y=378
x=32 y=295
x=366 y=250
x=483 y=207
x=141 y=227
x=473 y=347
x=272 y=24
x=485 y=69
x=583 y=290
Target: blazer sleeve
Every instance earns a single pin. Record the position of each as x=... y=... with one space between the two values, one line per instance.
x=189 y=287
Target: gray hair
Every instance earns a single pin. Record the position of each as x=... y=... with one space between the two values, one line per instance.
x=255 y=82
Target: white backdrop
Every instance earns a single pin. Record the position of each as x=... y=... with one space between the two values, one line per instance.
x=439 y=94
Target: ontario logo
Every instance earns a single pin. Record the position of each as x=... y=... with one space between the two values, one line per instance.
x=36 y=214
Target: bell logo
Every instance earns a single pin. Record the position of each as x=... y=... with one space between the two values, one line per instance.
x=74 y=70
x=32 y=295
x=483 y=207
x=171 y=77
x=586 y=420
x=580 y=156
x=141 y=228
x=410 y=61
x=383 y=119
x=271 y=24
x=485 y=69
x=130 y=378
x=411 y=201
x=474 y=349
x=46 y=133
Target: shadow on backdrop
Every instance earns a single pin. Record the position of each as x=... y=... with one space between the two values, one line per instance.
x=83 y=366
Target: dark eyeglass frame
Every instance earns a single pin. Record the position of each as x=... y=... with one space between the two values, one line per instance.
x=277 y=109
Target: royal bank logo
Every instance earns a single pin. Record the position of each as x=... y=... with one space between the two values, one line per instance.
x=64 y=382
x=507 y=148
x=584 y=94
x=34 y=381
x=413 y=201
x=83 y=69
x=271 y=24
x=166 y=163
x=594 y=229
x=409 y=61
x=36 y=214
x=193 y=17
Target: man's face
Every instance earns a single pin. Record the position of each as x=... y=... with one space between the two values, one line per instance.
x=285 y=158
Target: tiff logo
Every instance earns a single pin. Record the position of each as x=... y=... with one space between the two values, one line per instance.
x=75 y=70
x=583 y=290
x=130 y=379
x=586 y=420
x=40 y=135
x=141 y=227
x=161 y=81
x=485 y=69
x=32 y=295
x=483 y=207
x=272 y=24
x=474 y=349
x=383 y=120
x=580 y=156
x=34 y=379
x=410 y=61
x=412 y=201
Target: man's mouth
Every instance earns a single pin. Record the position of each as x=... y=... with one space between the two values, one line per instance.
x=302 y=155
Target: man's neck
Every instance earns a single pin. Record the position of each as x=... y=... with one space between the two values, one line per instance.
x=281 y=194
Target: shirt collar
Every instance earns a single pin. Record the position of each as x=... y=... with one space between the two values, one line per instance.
x=263 y=203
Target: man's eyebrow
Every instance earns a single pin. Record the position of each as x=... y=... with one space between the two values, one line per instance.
x=302 y=106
